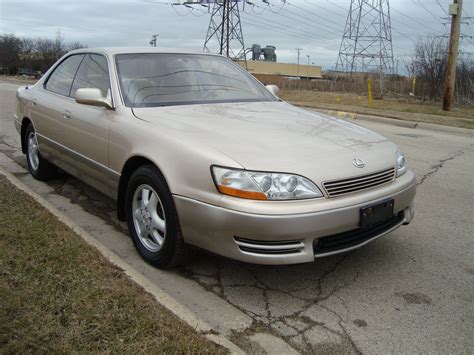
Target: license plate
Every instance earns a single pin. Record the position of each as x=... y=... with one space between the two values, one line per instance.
x=372 y=215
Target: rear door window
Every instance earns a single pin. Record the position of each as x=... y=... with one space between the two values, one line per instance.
x=93 y=73
x=60 y=81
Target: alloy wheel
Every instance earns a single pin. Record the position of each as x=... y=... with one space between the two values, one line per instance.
x=149 y=218
x=33 y=153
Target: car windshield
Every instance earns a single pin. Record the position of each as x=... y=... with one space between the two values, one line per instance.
x=162 y=79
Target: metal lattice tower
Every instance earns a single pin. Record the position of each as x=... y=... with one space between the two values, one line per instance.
x=366 y=44
x=226 y=28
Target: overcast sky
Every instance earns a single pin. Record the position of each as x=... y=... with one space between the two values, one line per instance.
x=314 y=25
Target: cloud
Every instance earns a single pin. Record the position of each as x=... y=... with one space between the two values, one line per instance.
x=314 y=25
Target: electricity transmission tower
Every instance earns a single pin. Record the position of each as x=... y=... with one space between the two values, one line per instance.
x=226 y=28
x=366 y=44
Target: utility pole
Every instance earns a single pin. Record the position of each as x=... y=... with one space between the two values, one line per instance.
x=307 y=69
x=455 y=10
x=298 y=66
x=153 y=40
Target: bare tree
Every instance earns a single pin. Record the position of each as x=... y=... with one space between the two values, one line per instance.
x=429 y=66
x=464 y=88
x=32 y=54
x=75 y=45
x=10 y=48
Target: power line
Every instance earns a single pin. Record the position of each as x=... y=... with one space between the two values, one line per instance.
x=298 y=20
x=310 y=19
x=275 y=27
x=325 y=9
x=405 y=24
x=413 y=19
x=427 y=10
x=341 y=27
x=298 y=32
x=302 y=22
x=338 y=6
x=404 y=35
x=279 y=30
x=442 y=8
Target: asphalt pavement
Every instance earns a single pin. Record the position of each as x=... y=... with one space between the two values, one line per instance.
x=410 y=291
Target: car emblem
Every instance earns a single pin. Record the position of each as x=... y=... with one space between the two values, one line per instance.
x=358 y=163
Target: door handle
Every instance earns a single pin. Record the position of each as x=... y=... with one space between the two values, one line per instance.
x=67 y=115
x=33 y=103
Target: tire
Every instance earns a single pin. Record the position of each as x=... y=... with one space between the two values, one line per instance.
x=152 y=219
x=39 y=168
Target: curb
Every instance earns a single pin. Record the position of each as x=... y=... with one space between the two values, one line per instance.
x=395 y=122
x=161 y=297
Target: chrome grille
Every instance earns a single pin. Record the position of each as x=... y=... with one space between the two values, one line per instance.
x=362 y=182
x=263 y=247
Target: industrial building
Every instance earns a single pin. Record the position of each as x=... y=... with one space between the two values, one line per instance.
x=282 y=69
x=269 y=65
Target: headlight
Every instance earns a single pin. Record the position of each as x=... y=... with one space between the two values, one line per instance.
x=401 y=163
x=257 y=185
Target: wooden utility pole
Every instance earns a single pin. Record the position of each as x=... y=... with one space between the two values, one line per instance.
x=455 y=10
x=298 y=67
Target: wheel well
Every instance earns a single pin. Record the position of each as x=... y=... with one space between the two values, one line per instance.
x=24 y=124
x=130 y=166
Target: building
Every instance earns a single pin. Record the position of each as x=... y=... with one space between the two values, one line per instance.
x=282 y=69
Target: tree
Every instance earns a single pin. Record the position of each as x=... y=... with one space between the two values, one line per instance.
x=37 y=54
x=10 y=48
x=464 y=88
x=75 y=45
x=50 y=50
x=429 y=65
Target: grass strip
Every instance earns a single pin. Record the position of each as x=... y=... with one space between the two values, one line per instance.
x=58 y=294
x=401 y=109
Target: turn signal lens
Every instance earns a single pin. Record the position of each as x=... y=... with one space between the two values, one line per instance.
x=401 y=163
x=226 y=190
x=263 y=186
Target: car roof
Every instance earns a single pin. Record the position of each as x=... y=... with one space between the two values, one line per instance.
x=129 y=50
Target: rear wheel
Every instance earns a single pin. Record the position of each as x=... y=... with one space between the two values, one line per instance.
x=39 y=168
x=152 y=219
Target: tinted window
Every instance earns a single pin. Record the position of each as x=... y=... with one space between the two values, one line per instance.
x=161 y=79
x=60 y=81
x=92 y=73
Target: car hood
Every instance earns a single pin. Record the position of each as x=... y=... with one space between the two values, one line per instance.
x=276 y=136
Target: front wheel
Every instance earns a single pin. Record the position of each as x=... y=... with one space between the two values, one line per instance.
x=39 y=168
x=152 y=219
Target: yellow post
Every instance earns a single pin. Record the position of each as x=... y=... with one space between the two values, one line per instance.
x=413 y=83
x=369 y=91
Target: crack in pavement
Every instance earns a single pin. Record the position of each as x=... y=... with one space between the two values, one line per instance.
x=296 y=327
x=438 y=166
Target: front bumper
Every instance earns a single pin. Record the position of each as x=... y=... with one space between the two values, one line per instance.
x=276 y=239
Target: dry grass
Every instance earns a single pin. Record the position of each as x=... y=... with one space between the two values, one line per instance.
x=58 y=294
x=404 y=109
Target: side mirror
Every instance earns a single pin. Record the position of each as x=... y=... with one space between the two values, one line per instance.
x=93 y=97
x=273 y=89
